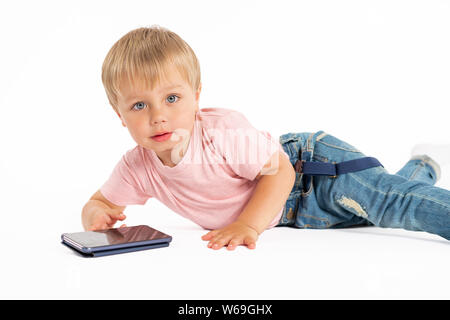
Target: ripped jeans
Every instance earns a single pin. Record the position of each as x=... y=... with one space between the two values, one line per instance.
x=368 y=197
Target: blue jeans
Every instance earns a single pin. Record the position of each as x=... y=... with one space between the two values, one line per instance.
x=372 y=196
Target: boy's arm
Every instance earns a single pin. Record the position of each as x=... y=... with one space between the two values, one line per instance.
x=274 y=185
x=100 y=197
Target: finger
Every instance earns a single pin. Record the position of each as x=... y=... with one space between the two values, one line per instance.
x=209 y=235
x=123 y=226
x=116 y=214
x=220 y=242
x=206 y=236
x=233 y=244
x=111 y=222
x=250 y=243
x=214 y=240
x=107 y=220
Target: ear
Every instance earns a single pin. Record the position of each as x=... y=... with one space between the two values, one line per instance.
x=123 y=123
x=197 y=95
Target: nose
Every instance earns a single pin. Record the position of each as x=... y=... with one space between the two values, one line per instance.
x=158 y=116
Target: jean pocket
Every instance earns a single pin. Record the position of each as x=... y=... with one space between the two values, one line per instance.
x=333 y=142
x=304 y=220
x=291 y=207
x=291 y=136
x=309 y=214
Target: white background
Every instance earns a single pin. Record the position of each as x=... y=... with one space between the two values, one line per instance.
x=372 y=73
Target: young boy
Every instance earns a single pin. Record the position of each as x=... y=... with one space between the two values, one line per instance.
x=213 y=167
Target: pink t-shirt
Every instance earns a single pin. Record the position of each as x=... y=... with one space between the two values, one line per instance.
x=213 y=181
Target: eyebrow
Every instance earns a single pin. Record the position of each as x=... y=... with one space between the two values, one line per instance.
x=172 y=87
x=163 y=89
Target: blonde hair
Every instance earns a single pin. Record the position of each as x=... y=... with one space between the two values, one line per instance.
x=142 y=56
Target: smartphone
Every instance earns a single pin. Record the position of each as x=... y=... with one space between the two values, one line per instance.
x=116 y=240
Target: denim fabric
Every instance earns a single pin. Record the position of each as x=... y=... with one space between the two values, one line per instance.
x=372 y=196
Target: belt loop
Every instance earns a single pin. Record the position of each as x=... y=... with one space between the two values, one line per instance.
x=333 y=177
x=320 y=136
x=312 y=141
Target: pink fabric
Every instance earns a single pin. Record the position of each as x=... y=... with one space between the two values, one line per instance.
x=213 y=181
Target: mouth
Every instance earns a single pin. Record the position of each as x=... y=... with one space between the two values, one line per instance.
x=163 y=136
x=160 y=134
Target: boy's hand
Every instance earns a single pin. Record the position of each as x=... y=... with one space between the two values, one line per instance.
x=104 y=218
x=234 y=234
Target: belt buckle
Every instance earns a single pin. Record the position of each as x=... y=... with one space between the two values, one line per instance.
x=299 y=166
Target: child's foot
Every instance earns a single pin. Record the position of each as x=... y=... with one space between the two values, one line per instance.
x=435 y=155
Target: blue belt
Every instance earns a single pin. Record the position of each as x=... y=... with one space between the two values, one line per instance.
x=334 y=169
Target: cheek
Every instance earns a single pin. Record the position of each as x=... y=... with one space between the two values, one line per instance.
x=138 y=127
x=186 y=118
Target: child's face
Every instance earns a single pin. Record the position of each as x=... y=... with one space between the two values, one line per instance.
x=166 y=108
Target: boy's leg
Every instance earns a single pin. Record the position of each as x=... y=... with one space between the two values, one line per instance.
x=394 y=202
x=404 y=200
x=422 y=169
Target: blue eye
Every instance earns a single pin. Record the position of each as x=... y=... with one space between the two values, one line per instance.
x=172 y=95
x=139 y=106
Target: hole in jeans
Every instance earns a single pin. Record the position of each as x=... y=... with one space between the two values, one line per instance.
x=355 y=206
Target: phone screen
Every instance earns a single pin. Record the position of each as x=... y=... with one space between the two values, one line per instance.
x=122 y=235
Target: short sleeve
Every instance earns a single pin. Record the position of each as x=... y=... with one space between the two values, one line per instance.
x=244 y=148
x=123 y=187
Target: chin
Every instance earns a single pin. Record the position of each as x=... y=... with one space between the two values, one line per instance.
x=157 y=146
